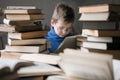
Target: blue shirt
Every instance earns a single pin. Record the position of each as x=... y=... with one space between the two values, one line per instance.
x=54 y=39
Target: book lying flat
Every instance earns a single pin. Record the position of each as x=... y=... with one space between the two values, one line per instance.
x=39 y=41
x=101 y=45
x=15 y=28
x=25 y=17
x=103 y=25
x=101 y=16
x=101 y=33
x=114 y=53
x=30 y=49
x=19 y=22
x=22 y=11
x=28 y=35
x=12 y=55
x=46 y=58
x=101 y=39
x=39 y=69
x=100 y=8
x=21 y=7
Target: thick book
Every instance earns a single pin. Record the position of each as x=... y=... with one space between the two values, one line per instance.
x=6 y=28
x=100 y=8
x=45 y=58
x=39 y=69
x=101 y=45
x=20 y=22
x=115 y=53
x=25 y=16
x=100 y=25
x=82 y=65
x=101 y=39
x=29 y=49
x=22 y=11
x=15 y=28
x=101 y=16
x=39 y=41
x=28 y=35
x=9 y=67
x=101 y=33
x=12 y=55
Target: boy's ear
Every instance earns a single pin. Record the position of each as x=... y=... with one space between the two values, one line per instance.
x=52 y=22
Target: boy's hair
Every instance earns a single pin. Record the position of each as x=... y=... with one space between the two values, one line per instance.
x=63 y=12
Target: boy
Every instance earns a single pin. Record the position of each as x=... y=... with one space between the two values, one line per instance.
x=61 y=24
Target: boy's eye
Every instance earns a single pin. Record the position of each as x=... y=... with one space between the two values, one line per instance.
x=61 y=28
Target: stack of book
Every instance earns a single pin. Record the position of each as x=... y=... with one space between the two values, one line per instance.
x=102 y=29
x=24 y=27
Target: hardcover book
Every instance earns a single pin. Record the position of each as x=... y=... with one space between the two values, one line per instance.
x=100 y=8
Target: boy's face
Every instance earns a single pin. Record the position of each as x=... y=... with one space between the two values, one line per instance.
x=61 y=28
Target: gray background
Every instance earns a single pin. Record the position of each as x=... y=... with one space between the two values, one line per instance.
x=48 y=6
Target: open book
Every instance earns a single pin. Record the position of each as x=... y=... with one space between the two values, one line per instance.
x=68 y=42
x=9 y=67
x=79 y=65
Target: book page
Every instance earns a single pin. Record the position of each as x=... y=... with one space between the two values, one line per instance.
x=14 y=64
x=116 y=69
x=50 y=59
x=90 y=66
x=39 y=69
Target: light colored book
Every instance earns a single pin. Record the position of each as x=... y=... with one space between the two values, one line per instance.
x=100 y=39
x=25 y=16
x=46 y=58
x=19 y=22
x=39 y=41
x=28 y=35
x=9 y=67
x=101 y=33
x=15 y=28
x=22 y=11
x=86 y=66
x=101 y=16
x=101 y=45
x=114 y=53
x=100 y=8
x=39 y=69
x=29 y=49
x=68 y=42
x=21 y=7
